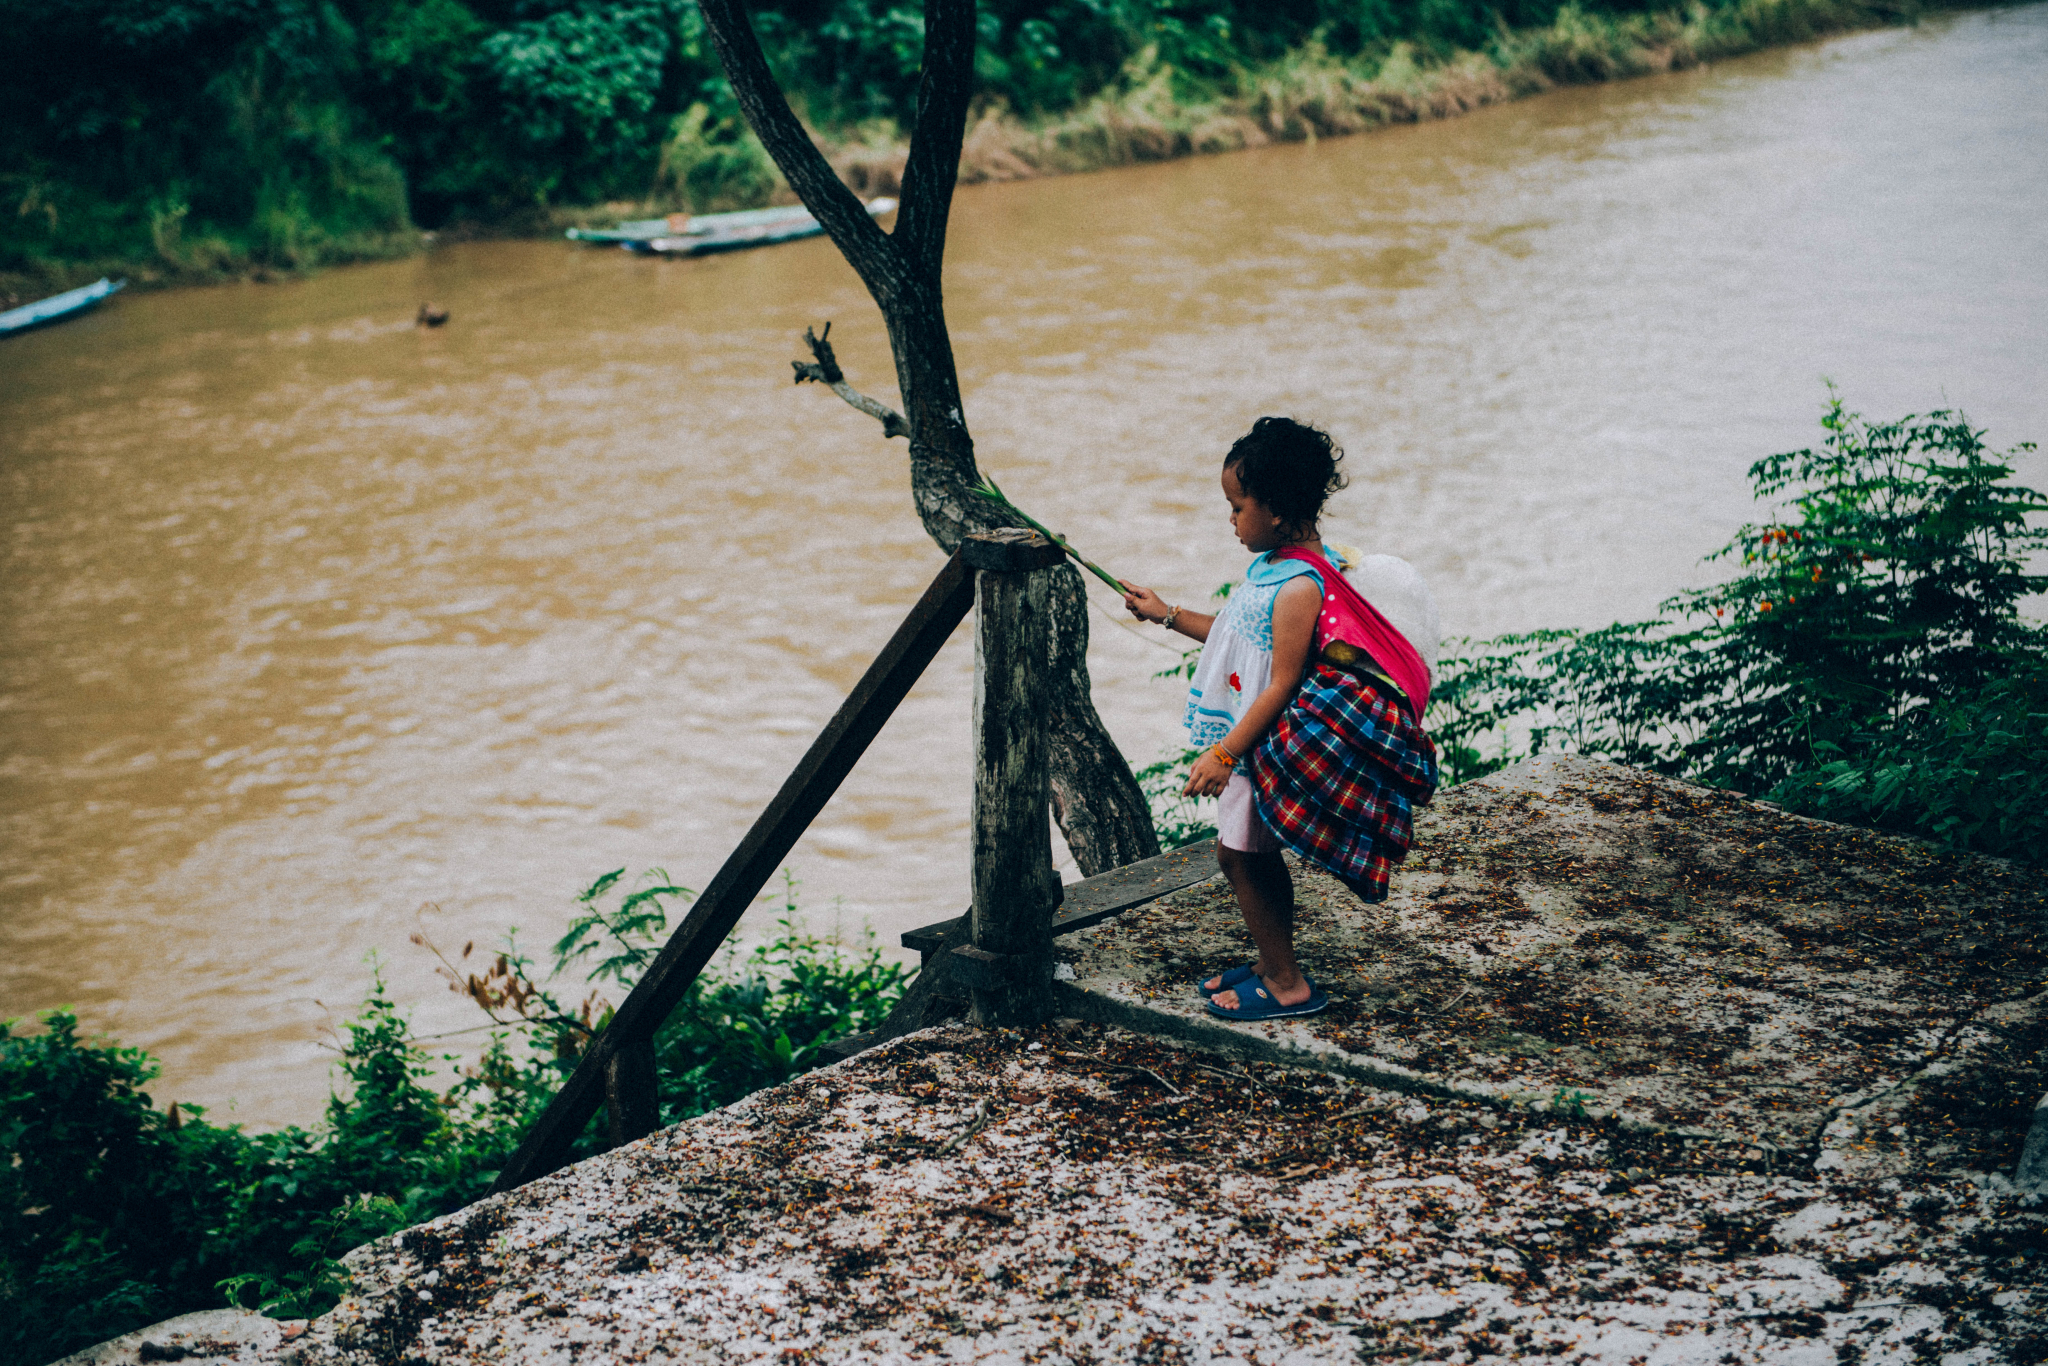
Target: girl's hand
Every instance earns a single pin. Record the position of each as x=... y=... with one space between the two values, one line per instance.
x=1143 y=603
x=1208 y=777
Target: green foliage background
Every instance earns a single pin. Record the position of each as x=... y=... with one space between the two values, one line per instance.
x=115 y=1213
x=187 y=137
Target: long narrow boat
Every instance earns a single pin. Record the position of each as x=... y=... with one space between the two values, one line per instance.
x=58 y=306
x=703 y=234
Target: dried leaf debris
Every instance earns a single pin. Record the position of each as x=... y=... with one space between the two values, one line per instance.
x=1094 y=1219
x=1572 y=934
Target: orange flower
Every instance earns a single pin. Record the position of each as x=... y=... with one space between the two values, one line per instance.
x=1763 y=607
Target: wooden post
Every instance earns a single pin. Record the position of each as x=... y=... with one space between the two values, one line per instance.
x=632 y=1108
x=1008 y=964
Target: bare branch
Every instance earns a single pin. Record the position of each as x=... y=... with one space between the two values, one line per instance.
x=945 y=84
x=760 y=96
x=824 y=369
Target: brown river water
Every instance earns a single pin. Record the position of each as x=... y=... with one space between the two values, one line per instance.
x=312 y=618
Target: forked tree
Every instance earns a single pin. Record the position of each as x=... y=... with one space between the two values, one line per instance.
x=1095 y=798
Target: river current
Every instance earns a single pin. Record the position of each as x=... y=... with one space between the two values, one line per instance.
x=314 y=619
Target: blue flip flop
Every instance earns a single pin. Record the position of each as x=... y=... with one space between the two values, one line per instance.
x=1229 y=980
x=1260 y=1004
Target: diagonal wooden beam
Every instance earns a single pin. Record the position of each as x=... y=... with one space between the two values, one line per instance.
x=831 y=757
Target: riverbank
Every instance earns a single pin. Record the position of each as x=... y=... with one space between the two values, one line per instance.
x=1309 y=94
x=1153 y=110
x=1723 y=1084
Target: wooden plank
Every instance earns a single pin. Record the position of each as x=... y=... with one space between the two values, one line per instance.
x=726 y=898
x=1089 y=902
x=927 y=939
x=1094 y=900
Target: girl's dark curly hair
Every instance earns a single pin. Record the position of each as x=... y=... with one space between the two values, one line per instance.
x=1290 y=467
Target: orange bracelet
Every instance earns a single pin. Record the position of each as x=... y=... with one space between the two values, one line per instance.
x=1222 y=755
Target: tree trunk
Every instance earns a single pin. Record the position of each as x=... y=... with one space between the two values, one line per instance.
x=1096 y=800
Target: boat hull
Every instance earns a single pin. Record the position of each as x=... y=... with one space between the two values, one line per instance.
x=58 y=307
x=710 y=234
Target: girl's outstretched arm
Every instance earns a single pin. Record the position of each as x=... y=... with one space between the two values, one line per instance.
x=1294 y=634
x=1146 y=605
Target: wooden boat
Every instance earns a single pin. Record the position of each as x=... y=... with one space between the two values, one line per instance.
x=703 y=234
x=58 y=306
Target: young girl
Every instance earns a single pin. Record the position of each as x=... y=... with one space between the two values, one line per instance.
x=1308 y=700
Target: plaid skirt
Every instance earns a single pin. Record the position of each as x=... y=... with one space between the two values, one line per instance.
x=1339 y=776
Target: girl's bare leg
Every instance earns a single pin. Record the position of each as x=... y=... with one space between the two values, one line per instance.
x=1265 y=897
x=1237 y=866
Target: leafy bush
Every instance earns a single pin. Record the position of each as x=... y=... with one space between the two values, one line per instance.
x=757 y=1021
x=114 y=1214
x=1970 y=773
x=1868 y=662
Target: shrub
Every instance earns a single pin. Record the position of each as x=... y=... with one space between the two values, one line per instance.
x=1868 y=662
x=114 y=1214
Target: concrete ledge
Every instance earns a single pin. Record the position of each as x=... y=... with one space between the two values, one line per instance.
x=1572 y=936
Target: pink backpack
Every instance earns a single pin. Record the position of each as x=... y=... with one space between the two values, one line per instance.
x=1346 y=616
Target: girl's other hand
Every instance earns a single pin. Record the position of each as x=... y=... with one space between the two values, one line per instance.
x=1208 y=777
x=1143 y=603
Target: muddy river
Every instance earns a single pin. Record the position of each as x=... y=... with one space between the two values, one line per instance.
x=313 y=619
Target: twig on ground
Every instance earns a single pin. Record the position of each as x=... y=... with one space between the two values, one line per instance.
x=1122 y=1067
x=974 y=1126
x=1428 y=1014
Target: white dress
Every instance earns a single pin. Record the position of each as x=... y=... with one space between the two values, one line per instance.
x=1237 y=660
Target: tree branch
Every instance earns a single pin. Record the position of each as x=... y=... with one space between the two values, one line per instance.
x=825 y=370
x=945 y=85
x=760 y=95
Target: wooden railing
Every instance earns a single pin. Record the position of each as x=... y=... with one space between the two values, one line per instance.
x=617 y=1069
x=998 y=957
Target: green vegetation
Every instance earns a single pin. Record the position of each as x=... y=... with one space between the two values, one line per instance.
x=1868 y=662
x=114 y=1213
x=193 y=138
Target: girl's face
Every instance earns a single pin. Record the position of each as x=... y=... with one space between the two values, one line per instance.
x=1257 y=528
